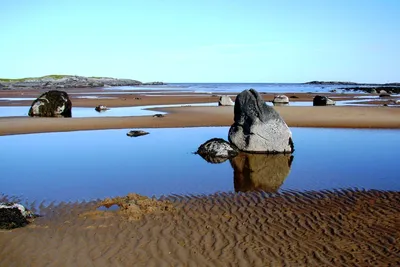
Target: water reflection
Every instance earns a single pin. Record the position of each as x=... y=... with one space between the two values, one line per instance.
x=260 y=171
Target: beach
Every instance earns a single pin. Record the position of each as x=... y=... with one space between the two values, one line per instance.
x=341 y=228
x=314 y=228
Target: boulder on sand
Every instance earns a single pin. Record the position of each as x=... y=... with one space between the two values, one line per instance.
x=225 y=101
x=51 y=104
x=258 y=128
x=13 y=215
x=216 y=150
x=280 y=99
x=383 y=93
x=320 y=100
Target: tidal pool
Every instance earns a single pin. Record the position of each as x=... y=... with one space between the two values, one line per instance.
x=83 y=112
x=85 y=165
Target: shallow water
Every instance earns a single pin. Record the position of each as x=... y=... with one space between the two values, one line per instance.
x=83 y=112
x=238 y=87
x=85 y=165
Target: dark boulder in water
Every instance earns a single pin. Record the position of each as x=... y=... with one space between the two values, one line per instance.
x=136 y=133
x=100 y=108
x=53 y=103
x=320 y=100
x=216 y=150
x=13 y=215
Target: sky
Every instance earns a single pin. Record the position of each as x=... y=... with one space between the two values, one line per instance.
x=203 y=40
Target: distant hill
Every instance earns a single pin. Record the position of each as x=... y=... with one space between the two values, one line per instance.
x=331 y=83
x=68 y=81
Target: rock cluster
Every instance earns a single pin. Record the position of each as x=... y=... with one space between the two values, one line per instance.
x=257 y=128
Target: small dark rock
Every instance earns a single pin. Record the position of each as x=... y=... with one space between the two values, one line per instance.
x=136 y=133
x=100 y=108
x=158 y=115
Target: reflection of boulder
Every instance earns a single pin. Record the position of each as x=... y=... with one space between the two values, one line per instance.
x=258 y=127
x=260 y=171
x=51 y=104
x=225 y=101
x=216 y=150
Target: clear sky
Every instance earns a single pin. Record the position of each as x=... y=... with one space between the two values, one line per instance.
x=203 y=40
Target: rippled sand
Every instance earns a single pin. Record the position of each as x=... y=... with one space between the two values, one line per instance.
x=339 y=228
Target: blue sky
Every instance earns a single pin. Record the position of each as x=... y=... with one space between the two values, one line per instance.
x=204 y=40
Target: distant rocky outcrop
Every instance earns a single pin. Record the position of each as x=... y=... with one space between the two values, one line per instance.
x=225 y=100
x=153 y=83
x=13 y=215
x=373 y=89
x=331 y=83
x=51 y=104
x=320 y=100
x=254 y=172
x=257 y=127
x=216 y=150
x=67 y=81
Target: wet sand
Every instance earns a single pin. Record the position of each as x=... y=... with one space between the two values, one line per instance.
x=340 y=228
x=333 y=117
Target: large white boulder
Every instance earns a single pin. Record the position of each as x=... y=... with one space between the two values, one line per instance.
x=258 y=128
x=225 y=101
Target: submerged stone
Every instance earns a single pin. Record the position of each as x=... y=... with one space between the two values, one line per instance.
x=216 y=150
x=136 y=133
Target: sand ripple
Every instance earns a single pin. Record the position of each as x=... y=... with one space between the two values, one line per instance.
x=328 y=228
